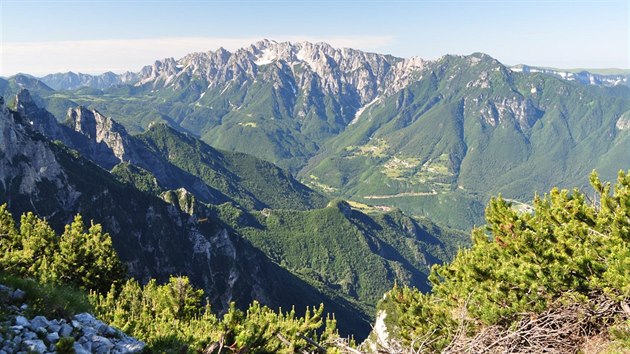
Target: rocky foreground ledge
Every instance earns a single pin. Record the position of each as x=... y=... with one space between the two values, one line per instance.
x=82 y=334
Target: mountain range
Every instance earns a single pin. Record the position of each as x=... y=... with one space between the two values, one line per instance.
x=299 y=173
x=435 y=138
x=72 y=81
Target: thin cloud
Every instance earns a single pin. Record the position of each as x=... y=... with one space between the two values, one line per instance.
x=119 y=55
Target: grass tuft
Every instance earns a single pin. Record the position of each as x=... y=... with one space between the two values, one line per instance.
x=51 y=301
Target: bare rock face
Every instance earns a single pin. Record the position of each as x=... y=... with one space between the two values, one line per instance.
x=305 y=69
x=39 y=119
x=338 y=70
x=154 y=238
x=160 y=71
x=584 y=77
x=111 y=136
x=623 y=123
x=73 y=81
x=97 y=137
x=495 y=111
x=28 y=166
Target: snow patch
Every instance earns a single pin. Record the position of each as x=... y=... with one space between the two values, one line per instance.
x=303 y=56
x=267 y=57
x=225 y=89
x=362 y=109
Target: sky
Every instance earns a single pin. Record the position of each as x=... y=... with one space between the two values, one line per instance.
x=42 y=37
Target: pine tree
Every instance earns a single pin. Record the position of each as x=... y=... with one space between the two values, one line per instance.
x=87 y=259
x=38 y=245
x=9 y=241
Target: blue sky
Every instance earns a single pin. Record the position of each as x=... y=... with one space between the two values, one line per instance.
x=40 y=37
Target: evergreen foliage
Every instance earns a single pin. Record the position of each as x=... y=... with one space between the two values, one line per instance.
x=137 y=176
x=467 y=128
x=171 y=318
x=568 y=250
x=250 y=181
x=86 y=258
x=471 y=129
x=356 y=255
x=79 y=257
x=65 y=345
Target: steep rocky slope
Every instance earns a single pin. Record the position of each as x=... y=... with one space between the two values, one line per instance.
x=174 y=159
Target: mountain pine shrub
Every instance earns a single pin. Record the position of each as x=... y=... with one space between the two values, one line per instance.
x=79 y=257
x=173 y=318
x=572 y=249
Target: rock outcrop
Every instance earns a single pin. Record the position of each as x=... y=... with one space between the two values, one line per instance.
x=84 y=333
x=108 y=137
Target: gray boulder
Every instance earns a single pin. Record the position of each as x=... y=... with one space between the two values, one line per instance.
x=39 y=321
x=101 y=345
x=18 y=295
x=35 y=345
x=22 y=321
x=52 y=337
x=78 y=349
x=65 y=330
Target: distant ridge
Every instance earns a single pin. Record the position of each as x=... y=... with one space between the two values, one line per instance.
x=434 y=138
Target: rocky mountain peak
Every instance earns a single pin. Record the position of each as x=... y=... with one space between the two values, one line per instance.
x=93 y=124
x=585 y=77
x=160 y=70
x=101 y=129
x=24 y=103
x=83 y=121
x=39 y=119
x=309 y=65
x=72 y=81
x=5 y=119
x=29 y=82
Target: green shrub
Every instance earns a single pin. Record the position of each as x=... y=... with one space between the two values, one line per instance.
x=567 y=250
x=79 y=257
x=65 y=346
x=171 y=318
